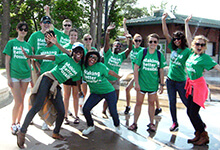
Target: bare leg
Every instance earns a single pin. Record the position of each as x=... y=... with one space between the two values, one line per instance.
x=137 y=109
x=66 y=97
x=75 y=94
x=128 y=89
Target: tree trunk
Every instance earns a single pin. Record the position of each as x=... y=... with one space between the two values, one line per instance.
x=93 y=22
x=5 y=30
x=99 y=23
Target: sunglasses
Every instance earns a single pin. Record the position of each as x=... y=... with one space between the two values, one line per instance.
x=46 y=22
x=78 y=51
x=174 y=39
x=202 y=44
x=67 y=25
x=93 y=57
x=88 y=39
x=137 y=41
x=155 y=42
x=23 y=29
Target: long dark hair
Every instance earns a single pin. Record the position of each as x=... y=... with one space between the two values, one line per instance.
x=90 y=53
x=179 y=34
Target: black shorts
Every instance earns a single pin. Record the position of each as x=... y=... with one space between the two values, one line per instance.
x=70 y=82
x=149 y=92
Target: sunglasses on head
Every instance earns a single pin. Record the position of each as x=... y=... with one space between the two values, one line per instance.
x=202 y=44
x=67 y=25
x=88 y=39
x=23 y=29
x=46 y=22
x=174 y=39
x=137 y=41
x=93 y=57
x=155 y=42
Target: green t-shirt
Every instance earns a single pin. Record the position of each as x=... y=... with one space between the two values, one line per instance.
x=19 y=67
x=133 y=54
x=96 y=77
x=113 y=62
x=62 y=38
x=178 y=63
x=66 y=68
x=196 y=64
x=37 y=40
x=148 y=73
x=68 y=46
x=47 y=65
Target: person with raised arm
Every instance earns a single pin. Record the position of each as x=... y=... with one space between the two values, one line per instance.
x=196 y=87
x=176 y=77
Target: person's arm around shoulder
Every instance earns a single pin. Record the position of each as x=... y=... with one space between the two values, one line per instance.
x=107 y=40
x=165 y=29
x=187 y=30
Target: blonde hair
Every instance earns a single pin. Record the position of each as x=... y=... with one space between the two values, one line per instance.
x=67 y=20
x=199 y=37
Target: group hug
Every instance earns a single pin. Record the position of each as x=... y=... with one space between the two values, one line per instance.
x=52 y=57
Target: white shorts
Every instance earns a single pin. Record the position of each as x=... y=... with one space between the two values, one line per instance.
x=21 y=80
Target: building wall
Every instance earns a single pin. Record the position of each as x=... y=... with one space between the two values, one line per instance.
x=211 y=33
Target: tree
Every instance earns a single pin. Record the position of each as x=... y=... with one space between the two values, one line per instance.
x=5 y=28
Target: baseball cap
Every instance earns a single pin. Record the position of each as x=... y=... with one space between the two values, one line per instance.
x=45 y=18
x=77 y=45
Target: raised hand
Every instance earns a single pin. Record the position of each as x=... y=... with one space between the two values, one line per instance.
x=52 y=38
x=188 y=18
x=111 y=26
x=164 y=16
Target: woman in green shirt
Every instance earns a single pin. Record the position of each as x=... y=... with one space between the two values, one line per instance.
x=147 y=81
x=18 y=72
x=95 y=74
x=196 y=87
x=66 y=68
x=176 y=77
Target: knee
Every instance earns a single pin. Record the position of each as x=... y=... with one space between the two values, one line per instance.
x=85 y=110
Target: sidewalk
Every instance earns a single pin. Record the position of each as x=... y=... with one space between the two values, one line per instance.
x=104 y=136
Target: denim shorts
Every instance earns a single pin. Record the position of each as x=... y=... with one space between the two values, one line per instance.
x=21 y=80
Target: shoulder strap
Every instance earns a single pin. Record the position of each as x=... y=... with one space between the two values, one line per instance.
x=159 y=58
x=144 y=54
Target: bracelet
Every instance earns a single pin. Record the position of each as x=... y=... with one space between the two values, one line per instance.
x=162 y=84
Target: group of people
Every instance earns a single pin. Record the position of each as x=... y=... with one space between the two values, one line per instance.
x=52 y=57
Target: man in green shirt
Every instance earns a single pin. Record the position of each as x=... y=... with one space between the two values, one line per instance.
x=113 y=60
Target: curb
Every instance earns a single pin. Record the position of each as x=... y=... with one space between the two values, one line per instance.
x=4 y=89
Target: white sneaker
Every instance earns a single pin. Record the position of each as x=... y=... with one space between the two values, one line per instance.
x=14 y=129
x=44 y=126
x=88 y=130
x=118 y=130
x=18 y=126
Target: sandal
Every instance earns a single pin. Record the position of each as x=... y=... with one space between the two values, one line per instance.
x=133 y=127
x=152 y=127
x=58 y=137
x=76 y=121
x=66 y=121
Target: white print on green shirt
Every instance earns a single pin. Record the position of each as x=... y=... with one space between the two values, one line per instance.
x=67 y=70
x=114 y=61
x=18 y=53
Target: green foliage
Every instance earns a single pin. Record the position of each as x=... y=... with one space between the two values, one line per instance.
x=130 y=12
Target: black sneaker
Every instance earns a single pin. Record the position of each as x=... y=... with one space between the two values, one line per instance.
x=127 y=109
x=157 y=111
x=174 y=127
